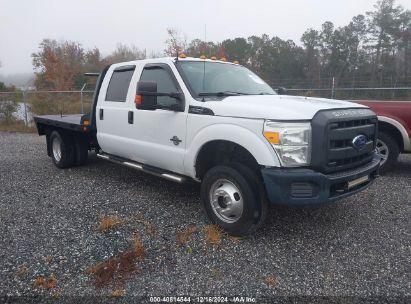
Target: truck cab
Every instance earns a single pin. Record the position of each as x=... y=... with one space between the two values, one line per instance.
x=220 y=124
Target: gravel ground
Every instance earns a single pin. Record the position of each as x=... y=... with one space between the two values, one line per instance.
x=358 y=247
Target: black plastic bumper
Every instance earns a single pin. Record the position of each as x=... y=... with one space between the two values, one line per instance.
x=305 y=186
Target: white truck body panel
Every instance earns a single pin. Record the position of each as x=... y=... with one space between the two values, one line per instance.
x=275 y=107
x=244 y=132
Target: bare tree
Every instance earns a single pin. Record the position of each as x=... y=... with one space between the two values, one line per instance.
x=126 y=53
x=176 y=42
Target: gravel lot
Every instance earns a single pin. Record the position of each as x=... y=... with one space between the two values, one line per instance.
x=357 y=247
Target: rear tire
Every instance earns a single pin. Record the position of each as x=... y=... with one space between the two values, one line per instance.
x=232 y=200
x=62 y=152
x=389 y=151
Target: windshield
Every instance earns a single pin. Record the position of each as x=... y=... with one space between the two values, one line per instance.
x=220 y=79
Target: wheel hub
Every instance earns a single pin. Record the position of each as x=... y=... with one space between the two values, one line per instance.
x=226 y=200
x=56 y=147
x=383 y=151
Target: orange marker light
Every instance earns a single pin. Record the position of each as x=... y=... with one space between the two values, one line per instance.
x=137 y=100
x=86 y=122
x=272 y=137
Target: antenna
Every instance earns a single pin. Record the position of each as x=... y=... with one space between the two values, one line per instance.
x=205 y=40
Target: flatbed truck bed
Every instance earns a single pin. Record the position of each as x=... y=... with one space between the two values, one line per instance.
x=69 y=122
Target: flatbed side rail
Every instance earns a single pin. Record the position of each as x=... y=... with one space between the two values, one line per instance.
x=42 y=122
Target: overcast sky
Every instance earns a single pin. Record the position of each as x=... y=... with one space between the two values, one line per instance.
x=104 y=23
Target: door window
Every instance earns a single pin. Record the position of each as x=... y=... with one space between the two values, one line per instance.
x=119 y=83
x=165 y=83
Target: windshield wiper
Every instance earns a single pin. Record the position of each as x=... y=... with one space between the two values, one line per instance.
x=224 y=93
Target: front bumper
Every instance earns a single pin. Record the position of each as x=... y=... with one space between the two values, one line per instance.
x=306 y=186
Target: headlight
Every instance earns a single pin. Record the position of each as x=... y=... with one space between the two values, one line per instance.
x=291 y=141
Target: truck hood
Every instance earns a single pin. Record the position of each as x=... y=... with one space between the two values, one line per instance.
x=274 y=107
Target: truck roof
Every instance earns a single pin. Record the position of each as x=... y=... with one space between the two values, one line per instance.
x=170 y=60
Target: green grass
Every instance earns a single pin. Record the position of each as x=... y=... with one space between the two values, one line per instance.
x=46 y=104
x=16 y=126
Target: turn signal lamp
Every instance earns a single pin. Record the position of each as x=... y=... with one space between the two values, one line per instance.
x=137 y=100
x=272 y=137
x=182 y=56
x=86 y=122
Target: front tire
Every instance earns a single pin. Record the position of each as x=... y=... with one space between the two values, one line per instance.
x=232 y=200
x=62 y=152
x=389 y=150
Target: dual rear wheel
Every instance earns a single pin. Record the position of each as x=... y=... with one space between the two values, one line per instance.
x=67 y=151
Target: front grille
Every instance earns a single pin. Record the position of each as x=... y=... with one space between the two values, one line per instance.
x=340 y=127
x=341 y=152
x=352 y=123
x=349 y=160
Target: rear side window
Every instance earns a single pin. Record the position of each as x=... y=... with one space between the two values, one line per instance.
x=119 y=83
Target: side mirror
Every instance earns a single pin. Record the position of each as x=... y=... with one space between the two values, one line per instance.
x=146 y=95
x=281 y=91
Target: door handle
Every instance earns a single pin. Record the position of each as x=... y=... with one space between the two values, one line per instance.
x=130 y=117
x=101 y=114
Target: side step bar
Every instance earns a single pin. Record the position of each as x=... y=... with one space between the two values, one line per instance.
x=148 y=169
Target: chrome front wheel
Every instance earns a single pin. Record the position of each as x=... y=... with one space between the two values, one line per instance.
x=232 y=198
x=226 y=200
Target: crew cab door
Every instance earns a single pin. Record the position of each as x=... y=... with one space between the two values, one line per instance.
x=159 y=135
x=112 y=109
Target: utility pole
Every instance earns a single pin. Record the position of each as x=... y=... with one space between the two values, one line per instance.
x=353 y=81
x=25 y=108
x=81 y=97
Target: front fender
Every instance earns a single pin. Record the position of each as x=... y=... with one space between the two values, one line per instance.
x=253 y=143
x=399 y=125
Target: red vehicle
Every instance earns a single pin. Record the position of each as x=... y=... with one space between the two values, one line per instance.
x=394 y=124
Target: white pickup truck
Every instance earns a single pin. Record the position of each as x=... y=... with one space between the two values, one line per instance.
x=218 y=123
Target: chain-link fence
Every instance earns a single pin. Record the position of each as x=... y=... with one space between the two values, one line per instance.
x=403 y=93
x=20 y=107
